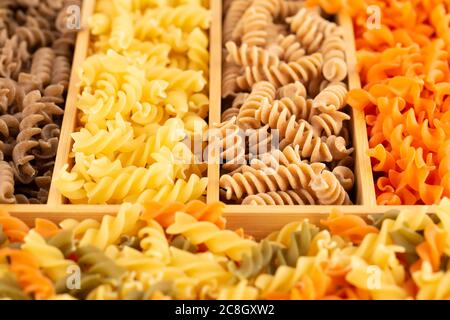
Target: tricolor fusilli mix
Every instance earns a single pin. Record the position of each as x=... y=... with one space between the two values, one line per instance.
x=179 y=251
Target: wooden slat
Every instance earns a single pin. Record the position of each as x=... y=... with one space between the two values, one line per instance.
x=363 y=169
x=215 y=93
x=258 y=222
x=70 y=111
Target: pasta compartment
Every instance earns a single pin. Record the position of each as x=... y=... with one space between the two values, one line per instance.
x=74 y=117
x=363 y=191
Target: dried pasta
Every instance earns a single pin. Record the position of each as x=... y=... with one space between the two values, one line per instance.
x=36 y=49
x=283 y=88
x=404 y=69
x=142 y=104
x=399 y=255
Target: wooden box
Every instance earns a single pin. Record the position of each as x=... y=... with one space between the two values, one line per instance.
x=256 y=220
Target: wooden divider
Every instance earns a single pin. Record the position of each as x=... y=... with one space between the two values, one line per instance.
x=363 y=169
x=259 y=222
x=70 y=111
x=215 y=85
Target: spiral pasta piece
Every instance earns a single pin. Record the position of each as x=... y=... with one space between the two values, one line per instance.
x=298 y=107
x=252 y=181
x=235 y=11
x=96 y=262
x=198 y=51
x=116 y=137
x=30 y=278
x=41 y=66
x=255 y=261
x=111 y=228
x=61 y=72
x=246 y=55
x=275 y=157
x=182 y=190
x=7 y=185
x=64 y=241
x=143 y=267
x=331 y=97
x=300 y=133
x=230 y=142
x=229 y=84
x=292 y=91
x=345 y=176
x=328 y=190
x=187 y=80
x=432 y=285
x=10 y=289
x=165 y=214
x=203 y=266
x=100 y=105
x=352 y=227
x=285 y=277
x=304 y=70
x=14 y=228
x=432 y=248
x=184 y=16
x=262 y=93
x=338 y=147
x=291 y=48
x=130 y=182
x=311 y=30
x=121 y=32
x=329 y=123
x=50 y=259
x=218 y=241
x=334 y=65
x=254 y=27
x=299 y=245
x=260 y=141
x=169 y=135
x=153 y=242
x=34 y=36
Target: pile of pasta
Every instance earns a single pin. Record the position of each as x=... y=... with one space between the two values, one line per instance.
x=36 y=47
x=180 y=251
x=284 y=136
x=143 y=99
x=404 y=68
